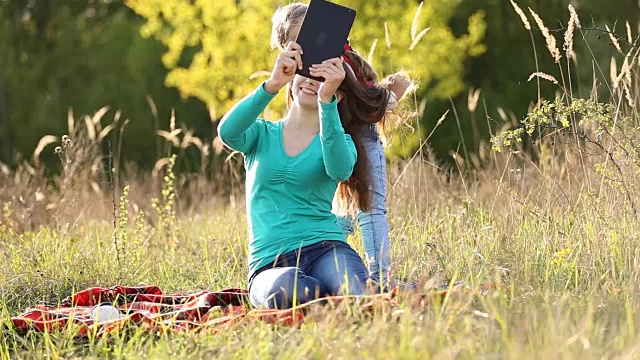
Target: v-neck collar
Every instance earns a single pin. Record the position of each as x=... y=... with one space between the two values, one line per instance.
x=282 y=148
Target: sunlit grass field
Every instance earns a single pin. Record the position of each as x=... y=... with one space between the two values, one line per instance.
x=543 y=237
x=565 y=272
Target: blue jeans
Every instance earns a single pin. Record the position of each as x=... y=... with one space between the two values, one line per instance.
x=373 y=223
x=314 y=271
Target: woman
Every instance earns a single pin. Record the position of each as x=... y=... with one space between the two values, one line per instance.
x=297 y=251
x=373 y=219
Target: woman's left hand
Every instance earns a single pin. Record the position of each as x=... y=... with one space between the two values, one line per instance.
x=333 y=73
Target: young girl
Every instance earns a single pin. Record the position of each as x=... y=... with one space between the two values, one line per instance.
x=297 y=251
x=372 y=221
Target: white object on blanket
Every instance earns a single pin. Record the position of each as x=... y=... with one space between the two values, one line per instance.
x=101 y=313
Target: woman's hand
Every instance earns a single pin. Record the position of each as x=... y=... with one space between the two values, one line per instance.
x=285 y=68
x=333 y=73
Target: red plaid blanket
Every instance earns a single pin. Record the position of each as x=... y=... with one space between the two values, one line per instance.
x=149 y=307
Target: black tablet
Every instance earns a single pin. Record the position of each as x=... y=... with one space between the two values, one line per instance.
x=323 y=33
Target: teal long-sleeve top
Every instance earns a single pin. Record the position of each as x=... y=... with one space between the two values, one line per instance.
x=288 y=198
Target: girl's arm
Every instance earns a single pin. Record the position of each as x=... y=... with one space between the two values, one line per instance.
x=338 y=150
x=238 y=128
x=393 y=100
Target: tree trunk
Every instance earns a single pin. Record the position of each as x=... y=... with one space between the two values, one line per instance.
x=5 y=137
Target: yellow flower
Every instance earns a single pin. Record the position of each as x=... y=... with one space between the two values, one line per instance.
x=561 y=256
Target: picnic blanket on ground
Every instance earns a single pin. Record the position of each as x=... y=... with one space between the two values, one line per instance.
x=150 y=308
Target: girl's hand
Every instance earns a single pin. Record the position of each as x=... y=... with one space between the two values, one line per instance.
x=287 y=63
x=398 y=84
x=333 y=73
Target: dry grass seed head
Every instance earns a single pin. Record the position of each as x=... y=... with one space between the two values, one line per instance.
x=520 y=13
x=574 y=22
x=614 y=40
x=543 y=76
x=625 y=72
x=551 y=41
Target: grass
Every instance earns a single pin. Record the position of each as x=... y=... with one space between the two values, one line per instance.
x=568 y=275
x=553 y=226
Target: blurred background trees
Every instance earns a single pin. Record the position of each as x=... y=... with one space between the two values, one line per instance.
x=147 y=57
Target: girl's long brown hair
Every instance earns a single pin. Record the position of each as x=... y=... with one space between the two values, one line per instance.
x=359 y=109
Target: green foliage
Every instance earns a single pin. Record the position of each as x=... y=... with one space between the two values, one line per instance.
x=166 y=207
x=218 y=51
x=418 y=38
x=122 y=232
x=213 y=47
x=83 y=55
x=559 y=117
x=87 y=54
x=502 y=72
x=406 y=35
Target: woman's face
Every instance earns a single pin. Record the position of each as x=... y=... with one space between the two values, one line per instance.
x=305 y=92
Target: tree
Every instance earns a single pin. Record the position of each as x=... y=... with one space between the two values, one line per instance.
x=216 y=49
x=213 y=47
x=406 y=35
x=501 y=73
x=84 y=55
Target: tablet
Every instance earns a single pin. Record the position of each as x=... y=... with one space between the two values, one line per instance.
x=323 y=33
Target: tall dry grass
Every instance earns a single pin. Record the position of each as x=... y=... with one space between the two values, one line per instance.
x=551 y=219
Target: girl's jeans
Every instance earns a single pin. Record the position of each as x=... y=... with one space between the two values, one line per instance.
x=322 y=269
x=373 y=224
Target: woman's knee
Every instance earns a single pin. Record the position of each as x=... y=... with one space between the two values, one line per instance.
x=285 y=288
x=342 y=271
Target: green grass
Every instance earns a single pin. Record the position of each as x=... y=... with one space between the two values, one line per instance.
x=568 y=278
x=557 y=236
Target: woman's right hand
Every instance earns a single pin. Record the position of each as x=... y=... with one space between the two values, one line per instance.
x=287 y=63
